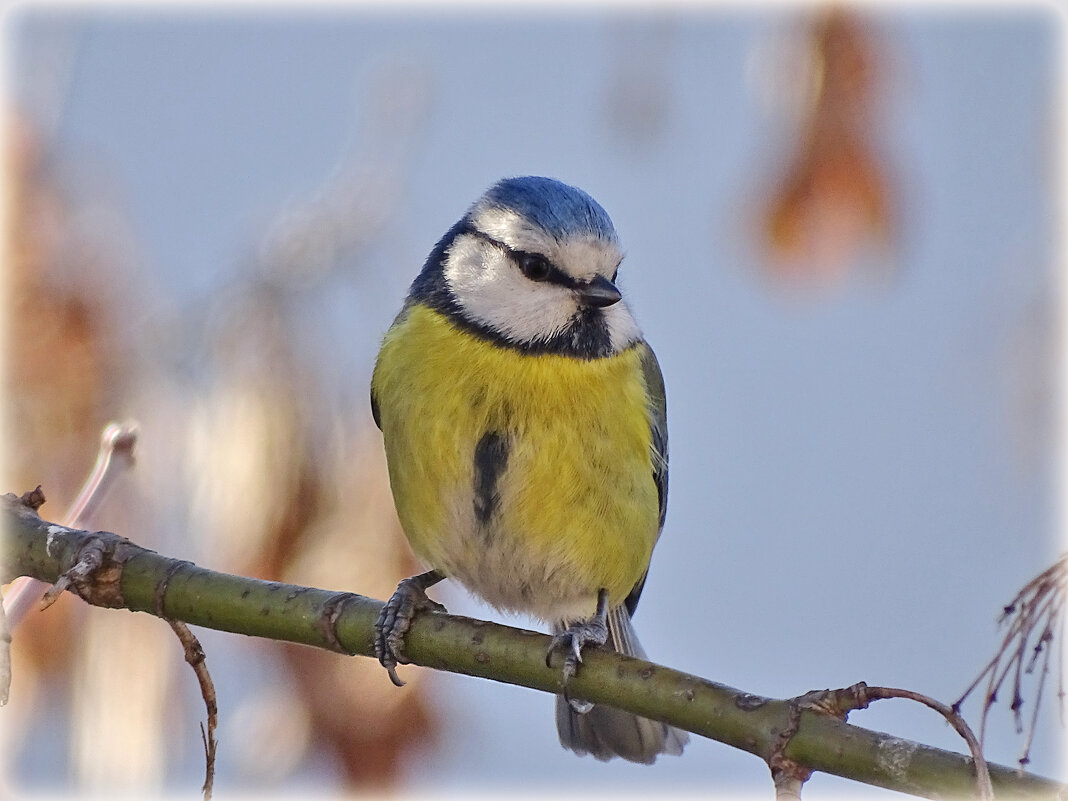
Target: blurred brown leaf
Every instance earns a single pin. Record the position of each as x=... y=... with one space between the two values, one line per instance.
x=834 y=196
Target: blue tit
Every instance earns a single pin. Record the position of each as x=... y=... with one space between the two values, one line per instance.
x=525 y=430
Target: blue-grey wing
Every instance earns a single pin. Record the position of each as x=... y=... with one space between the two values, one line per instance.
x=656 y=397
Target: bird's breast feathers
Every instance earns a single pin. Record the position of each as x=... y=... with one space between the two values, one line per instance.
x=527 y=477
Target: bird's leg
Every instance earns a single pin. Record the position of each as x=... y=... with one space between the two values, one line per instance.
x=593 y=630
x=396 y=618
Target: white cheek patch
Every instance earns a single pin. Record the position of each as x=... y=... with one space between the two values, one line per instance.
x=493 y=292
x=472 y=265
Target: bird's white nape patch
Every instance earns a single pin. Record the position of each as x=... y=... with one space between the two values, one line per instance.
x=492 y=291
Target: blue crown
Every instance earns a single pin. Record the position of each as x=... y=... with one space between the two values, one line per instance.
x=561 y=210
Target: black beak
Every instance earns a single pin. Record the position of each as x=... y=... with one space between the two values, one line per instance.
x=599 y=292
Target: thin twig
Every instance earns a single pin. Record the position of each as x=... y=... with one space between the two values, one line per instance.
x=115 y=455
x=1025 y=757
x=194 y=655
x=1035 y=620
x=982 y=771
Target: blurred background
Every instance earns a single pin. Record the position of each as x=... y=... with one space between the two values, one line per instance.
x=842 y=239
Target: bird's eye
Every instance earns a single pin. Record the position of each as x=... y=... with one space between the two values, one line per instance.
x=535 y=267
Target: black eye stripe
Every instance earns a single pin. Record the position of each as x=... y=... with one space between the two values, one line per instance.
x=533 y=265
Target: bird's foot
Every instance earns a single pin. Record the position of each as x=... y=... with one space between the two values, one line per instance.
x=396 y=618
x=573 y=639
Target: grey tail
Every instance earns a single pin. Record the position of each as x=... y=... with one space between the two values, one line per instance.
x=605 y=732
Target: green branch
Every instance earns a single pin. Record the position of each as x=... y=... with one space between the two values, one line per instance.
x=110 y=571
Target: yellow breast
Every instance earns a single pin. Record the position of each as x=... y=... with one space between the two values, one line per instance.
x=577 y=505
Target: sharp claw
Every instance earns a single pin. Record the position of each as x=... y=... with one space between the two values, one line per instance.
x=393 y=677
x=572 y=640
x=396 y=618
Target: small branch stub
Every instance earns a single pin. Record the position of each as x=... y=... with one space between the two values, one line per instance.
x=96 y=574
x=32 y=500
x=787 y=785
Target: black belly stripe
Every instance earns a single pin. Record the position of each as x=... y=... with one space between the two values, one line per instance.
x=491 y=457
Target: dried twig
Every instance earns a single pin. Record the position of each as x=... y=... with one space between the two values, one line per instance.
x=838 y=704
x=1034 y=619
x=116 y=453
x=984 y=788
x=194 y=655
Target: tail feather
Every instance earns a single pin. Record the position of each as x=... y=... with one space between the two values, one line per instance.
x=606 y=732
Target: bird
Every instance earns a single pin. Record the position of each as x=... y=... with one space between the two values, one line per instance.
x=524 y=421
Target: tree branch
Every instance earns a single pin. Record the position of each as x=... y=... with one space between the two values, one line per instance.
x=134 y=578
